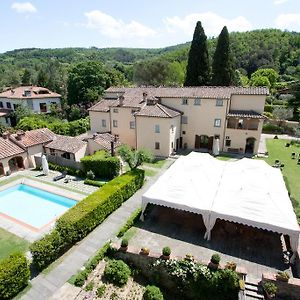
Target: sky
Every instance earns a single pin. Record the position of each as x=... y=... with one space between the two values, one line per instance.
x=134 y=23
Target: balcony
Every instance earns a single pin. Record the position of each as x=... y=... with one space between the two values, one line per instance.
x=242 y=124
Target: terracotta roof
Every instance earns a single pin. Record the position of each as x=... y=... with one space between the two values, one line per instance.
x=103 y=105
x=158 y=110
x=29 y=92
x=4 y=112
x=245 y=114
x=66 y=144
x=8 y=148
x=104 y=139
x=34 y=137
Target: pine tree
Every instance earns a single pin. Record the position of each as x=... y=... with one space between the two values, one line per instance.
x=26 y=78
x=222 y=67
x=198 y=69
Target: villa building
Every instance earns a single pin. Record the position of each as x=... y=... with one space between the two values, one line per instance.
x=37 y=99
x=167 y=119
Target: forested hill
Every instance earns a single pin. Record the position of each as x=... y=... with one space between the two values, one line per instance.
x=268 y=48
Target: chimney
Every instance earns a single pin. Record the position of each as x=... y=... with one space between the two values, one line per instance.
x=12 y=91
x=20 y=133
x=145 y=96
x=6 y=135
x=121 y=100
x=94 y=135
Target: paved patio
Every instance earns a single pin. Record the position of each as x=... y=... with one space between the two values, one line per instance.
x=256 y=250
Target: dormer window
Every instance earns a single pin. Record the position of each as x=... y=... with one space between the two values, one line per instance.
x=27 y=93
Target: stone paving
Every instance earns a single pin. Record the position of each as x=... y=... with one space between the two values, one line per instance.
x=46 y=285
x=256 y=250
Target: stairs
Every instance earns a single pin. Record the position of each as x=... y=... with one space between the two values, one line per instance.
x=253 y=291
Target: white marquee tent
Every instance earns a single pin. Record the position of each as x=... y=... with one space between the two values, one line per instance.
x=247 y=191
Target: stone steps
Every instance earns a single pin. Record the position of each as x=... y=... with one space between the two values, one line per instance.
x=253 y=291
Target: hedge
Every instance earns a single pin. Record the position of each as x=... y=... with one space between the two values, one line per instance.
x=102 y=164
x=82 y=218
x=272 y=128
x=14 y=275
x=70 y=171
x=94 y=182
x=130 y=222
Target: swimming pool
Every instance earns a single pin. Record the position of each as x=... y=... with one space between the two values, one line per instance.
x=32 y=207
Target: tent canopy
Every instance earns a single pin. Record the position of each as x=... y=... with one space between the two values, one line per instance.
x=246 y=191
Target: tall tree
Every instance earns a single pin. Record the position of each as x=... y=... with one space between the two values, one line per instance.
x=222 y=67
x=26 y=78
x=42 y=78
x=198 y=70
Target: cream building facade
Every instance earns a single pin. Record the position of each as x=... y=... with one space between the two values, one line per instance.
x=165 y=120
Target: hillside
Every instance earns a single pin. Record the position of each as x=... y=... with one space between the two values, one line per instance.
x=251 y=50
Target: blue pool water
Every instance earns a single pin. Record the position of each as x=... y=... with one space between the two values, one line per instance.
x=33 y=206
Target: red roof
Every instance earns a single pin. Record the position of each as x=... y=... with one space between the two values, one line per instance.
x=8 y=148
x=158 y=111
x=29 y=92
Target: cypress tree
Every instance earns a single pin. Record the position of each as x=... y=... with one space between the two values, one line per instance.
x=198 y=70
x=222 y=67
x=26 y=78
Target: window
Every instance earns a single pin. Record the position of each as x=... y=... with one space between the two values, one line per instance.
x=197 y=101
x=115 y=123
x=184 y=101
x=219 y=102
x=184 y=120
x=1 y=104
x=43 y=107
x=103 y=123
x=132 y=124
x=15 y=106
x=157 y=145
x=157 y=128
x=183 y=132
x=216 y=136
x=66 y=155
x=8 y=105
x=228 y=143
x=52 y=151
x=172 y=128
x=217 y=123
x=115 y=110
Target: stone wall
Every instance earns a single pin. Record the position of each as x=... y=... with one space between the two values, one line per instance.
x=59 y=161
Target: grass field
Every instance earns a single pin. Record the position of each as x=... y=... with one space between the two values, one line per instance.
x=157 y=163
x=291 y=170
x=11 y=243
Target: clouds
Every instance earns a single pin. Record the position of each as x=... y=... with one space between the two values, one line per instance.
x=115 y=29
x=288 y=21
x=278 y=2
x=24 y=7
x=211 y=22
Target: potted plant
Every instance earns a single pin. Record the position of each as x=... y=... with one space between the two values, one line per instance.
x=231 y=265
x=124 y=244
x=214 y=261
x=166 y=251
x=145 y=251
x=270 y=289
x=189 y=257
x=282 y=276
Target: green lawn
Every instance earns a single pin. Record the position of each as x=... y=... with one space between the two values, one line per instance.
x=11 y=243
x=291 y=170
x=157 y=163
x=223 y=157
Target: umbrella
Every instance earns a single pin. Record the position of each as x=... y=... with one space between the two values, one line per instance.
x=45 y=165
x=216 y=147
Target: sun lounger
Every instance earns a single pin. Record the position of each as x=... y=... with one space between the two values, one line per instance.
x=61 y=176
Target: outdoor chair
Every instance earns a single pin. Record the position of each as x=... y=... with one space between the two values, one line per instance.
x=61 y=176
x=293 y=155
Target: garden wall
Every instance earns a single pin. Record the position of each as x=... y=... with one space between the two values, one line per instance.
x=286 y=290
x=58 y=160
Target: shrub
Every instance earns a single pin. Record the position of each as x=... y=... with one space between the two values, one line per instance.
x=82 y=218
x=152 y=292
x=90 y=175
x=145 y=251
x=215 y=258
x=166 y=251
x=100 y=291
x=272 y=128
x=117 y=272
x=94 y=182
x=14 y=275
x=270 y=288
x=102 y=165
x=124 y=243
x=89 y=286
x=130 y=222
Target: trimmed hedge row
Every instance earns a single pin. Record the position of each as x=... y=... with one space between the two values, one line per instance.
x=130 y=222
x=70 y=171
x=102 y=164
x=94 y=182
x=81 y=219
x=14 y=275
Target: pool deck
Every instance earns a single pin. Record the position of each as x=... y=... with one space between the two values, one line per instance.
x=74 y=189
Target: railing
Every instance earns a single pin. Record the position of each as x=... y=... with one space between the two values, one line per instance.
x=230 y=126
